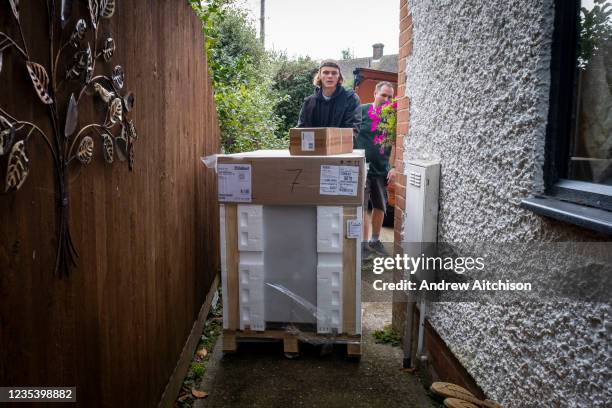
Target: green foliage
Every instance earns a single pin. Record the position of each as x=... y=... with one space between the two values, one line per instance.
x=384 y=118
x=197 y=369
x=236 y=55
x=247 y=118
x=347 y=54
x=292 y=82
x=240 y=71
x=388 y=120
x=349 y=83
x=212 y=328
x=595 y=30
x=210 y=334
x=387 y=336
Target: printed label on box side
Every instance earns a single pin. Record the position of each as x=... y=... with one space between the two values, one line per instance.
x=339 y=180
x=308 y=141
x=349 y=180
x=328 y=183
x=353 y=228
x=234 y=182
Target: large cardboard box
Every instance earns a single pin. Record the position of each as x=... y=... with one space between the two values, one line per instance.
x=320 y=141
x=290 y=230
x=274 y=177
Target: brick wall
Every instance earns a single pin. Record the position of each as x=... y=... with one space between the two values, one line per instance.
x=405 y=50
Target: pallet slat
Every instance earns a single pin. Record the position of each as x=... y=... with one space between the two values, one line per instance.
x=281 y=334
x=290 y=340
x=349 y=259
x=231 y=236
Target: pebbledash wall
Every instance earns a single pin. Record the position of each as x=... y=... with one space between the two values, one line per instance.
x=476 y=80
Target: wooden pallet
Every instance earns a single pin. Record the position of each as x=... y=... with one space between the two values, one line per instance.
x=291 y=341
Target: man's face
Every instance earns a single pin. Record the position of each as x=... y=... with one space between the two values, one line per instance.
x=329 y=77
x=384 y=94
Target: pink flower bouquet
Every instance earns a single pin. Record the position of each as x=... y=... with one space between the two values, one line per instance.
x=384 y=121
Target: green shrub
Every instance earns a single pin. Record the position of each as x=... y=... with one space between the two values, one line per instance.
x=292 y=82
x=240 y=70
x=387 y=336
x=197 y=369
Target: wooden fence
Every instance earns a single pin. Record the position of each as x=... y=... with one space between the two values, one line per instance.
x=147 y=239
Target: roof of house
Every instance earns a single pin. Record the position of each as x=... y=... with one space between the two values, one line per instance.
x=387 y=63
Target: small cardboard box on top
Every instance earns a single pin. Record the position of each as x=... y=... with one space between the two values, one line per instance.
x=320 y=141
x=274 y=177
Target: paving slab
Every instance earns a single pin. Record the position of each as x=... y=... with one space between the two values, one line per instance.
x=259 y=375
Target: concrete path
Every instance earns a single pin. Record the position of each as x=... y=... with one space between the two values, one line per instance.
x=259 y=375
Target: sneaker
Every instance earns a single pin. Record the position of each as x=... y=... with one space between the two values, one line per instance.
x=366 y=254
x=378 y=247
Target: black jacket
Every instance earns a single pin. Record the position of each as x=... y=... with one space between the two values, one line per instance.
x=341 y=110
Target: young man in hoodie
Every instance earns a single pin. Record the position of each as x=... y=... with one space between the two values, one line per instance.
x=331 y=105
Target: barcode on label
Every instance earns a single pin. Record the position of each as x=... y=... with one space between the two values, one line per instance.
x=308 y=141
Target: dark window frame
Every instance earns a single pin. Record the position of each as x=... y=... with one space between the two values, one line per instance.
x=588 y=205
x=562 y=114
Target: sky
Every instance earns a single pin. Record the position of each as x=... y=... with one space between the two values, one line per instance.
x=323 y=28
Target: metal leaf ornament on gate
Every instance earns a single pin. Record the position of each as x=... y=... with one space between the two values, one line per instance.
x=40 y=79
x=18 y=166
x=72 y=74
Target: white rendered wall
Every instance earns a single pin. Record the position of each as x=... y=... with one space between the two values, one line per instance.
x=478 y=82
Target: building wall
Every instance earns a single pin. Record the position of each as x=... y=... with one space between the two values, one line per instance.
x=477 y=81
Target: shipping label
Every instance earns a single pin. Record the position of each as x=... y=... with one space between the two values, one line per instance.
x=308 y=141
x=234 y=182
x=353 y=229
x=339 y=180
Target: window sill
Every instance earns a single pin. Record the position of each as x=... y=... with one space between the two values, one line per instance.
x=583 y=216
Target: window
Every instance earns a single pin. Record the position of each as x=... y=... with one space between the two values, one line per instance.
x=578 y=162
